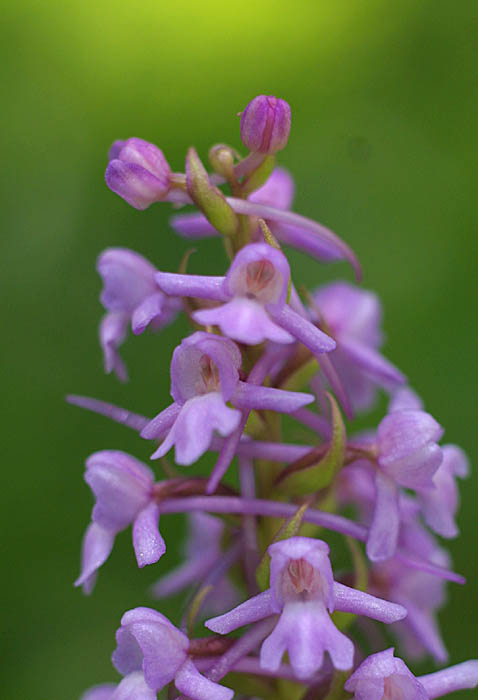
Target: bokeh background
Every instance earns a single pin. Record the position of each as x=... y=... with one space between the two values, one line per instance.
x=384 y=150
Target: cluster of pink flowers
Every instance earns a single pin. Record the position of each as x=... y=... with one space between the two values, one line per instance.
x=257 y=557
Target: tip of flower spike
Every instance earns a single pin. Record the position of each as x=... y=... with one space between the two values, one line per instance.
x=265 y=124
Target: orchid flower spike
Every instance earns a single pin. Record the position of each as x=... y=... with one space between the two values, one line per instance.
x=204 y=377
x=148 y=642
x=130 y=295
x=382 y=676
x=123 y=488
x=303 y=592
x=254 y=294
x=138 y=172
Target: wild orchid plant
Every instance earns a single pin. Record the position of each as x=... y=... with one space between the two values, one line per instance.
x=257 y=556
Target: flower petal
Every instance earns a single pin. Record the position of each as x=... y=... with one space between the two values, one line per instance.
x=439 y=504
x=448 y=680
x=360 y=603
x=306 y=241
x=401 y=432
x=277 y=191
x=383 y=676
x=113 y=329
x=190 y=682
x=136 y=185
x=198 y=286
x=148 y=544
x=146 y=640
x=306 y=631
x=241 y=206
x=194 y=427
x=244 y=320
x=134 y=687
x=405 y=399
x=159 y=426
x=304 y=331
x=97 y=546
x=151 y=308
x=192 y=226
x=372 y=363
x=422 y=624
x=122 y=486
x=267 y=398
x=251 y=610
x=128 y=278
x=100 y=692
x=407 y=447
x=383 y=534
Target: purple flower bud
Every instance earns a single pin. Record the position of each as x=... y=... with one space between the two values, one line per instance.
x=138 y=172
x=149 y=642
x=265 y=124
x=123 y=488
x=115 y=149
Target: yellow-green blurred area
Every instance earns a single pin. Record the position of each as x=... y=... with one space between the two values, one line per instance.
x=384 y=151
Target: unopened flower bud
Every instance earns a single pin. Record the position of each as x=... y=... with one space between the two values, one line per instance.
x=265 y=124
x=138 y=172
x=221 y=158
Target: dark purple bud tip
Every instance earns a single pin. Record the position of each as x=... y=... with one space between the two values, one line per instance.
x=265 y=124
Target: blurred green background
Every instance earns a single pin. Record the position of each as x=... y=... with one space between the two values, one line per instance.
x=384 y=150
